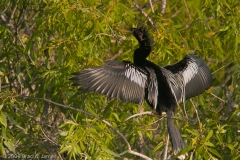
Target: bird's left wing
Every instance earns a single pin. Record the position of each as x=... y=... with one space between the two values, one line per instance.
x=191 y=77
x=114 y=79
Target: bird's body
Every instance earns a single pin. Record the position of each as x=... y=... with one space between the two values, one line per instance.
x=161 y=87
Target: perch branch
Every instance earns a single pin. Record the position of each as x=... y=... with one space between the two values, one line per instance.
x=139 y=114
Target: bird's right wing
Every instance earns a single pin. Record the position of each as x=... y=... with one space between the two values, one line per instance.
x=188 y=78
x=115 y=79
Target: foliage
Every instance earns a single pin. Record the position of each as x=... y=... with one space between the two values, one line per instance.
x=43 y=42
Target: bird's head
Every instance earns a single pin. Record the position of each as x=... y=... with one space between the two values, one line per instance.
x=139 y=33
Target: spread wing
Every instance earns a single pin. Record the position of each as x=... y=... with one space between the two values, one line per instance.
x=116 y=79
x=189 y=77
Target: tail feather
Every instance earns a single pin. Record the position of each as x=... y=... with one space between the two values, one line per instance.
x=175 y=135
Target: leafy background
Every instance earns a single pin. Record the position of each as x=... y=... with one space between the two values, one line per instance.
x=43 y=42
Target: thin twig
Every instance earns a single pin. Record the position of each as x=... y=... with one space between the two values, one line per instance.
x=136 y=153
x=60 y=156
x=112 y=35
x=116 y=55
x=25 y=113
x=48 y=137
x=177 y=12
x=217 y=97
x=222 y=67
x=147 y=4
x=189 y=15
x=144 y=13
x=8 y=25
x=13 y=12
x=99 y=118
x=166 y=148
x=196 y=112
x=139 y=114
x=184 y=108
x=150 y=3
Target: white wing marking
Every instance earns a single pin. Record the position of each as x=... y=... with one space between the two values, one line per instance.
x=135 y=75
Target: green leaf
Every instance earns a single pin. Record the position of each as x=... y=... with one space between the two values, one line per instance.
x=64 y=133
x=199 y=150
x=2 y=150
x=213 y=151
x=110 y=152
x=209 y=135
x=3 y=119
x=17 y=124
x=66 y=148
x=233 y=115
x=193 y=131
x=157 y=148
x=235 y=144
x=82 y=146
x=10 y=145
x=236 y=157
x=230 y=146
x=116 y=116
x=185 y=150
x=209 y=144
x=219 y=137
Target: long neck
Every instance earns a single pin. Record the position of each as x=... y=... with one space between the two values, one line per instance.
x=140 y=56
x=144 y=40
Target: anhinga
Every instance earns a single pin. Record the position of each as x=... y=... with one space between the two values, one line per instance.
x=161 y=87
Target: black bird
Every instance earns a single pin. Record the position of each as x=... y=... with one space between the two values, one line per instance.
x=161 y=87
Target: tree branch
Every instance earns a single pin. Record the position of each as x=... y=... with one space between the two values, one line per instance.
x=144 y=13
x=135 y=153
x=139 y=114
x=163 y=7
x=97 y=117
x=150 y=3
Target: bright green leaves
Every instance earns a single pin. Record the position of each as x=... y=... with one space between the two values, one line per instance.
x=214 y=144
x=90 y=139
x=55 y=38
